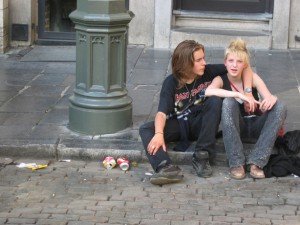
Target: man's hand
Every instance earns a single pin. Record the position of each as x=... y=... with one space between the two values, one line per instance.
x=156 y=142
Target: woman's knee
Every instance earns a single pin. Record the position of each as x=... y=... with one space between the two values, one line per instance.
x=280 y=109
x=229 y=105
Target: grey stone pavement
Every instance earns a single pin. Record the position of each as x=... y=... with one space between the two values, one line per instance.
x=34 y=90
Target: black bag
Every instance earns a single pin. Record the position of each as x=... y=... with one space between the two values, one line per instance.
x=289 y=144
x=286 y=162
x=282 y=165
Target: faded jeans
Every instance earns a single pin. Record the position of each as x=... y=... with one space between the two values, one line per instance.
x=203 y=128
x=262 y=129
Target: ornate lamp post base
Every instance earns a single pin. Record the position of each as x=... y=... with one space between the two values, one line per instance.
x=100 y=103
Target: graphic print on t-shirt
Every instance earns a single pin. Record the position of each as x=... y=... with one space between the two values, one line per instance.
x=187 y=96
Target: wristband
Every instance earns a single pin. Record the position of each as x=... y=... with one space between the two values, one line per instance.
x=248 y=90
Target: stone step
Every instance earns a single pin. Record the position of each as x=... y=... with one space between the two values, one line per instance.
x=214 y=20
x=218 y=29
x=220 y=38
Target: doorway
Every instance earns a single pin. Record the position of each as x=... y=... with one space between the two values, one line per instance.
x=55 y=26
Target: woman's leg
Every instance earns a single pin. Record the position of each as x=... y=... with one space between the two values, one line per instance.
x=266 y=129
x=232 y=124
x=171 y=133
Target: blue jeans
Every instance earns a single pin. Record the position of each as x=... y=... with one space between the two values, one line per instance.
x=203 y=126
x=262 y=129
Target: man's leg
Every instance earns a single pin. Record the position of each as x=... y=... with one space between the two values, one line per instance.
x=165 y=172
x=206 y=125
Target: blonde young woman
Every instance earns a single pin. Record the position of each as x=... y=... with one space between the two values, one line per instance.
x=262 y=126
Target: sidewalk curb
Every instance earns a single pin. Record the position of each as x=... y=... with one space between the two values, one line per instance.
x=28 y=150
x=95 y=150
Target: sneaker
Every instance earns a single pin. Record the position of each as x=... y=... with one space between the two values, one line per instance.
x=238 y=172
x=166 y=175
x=201 y=164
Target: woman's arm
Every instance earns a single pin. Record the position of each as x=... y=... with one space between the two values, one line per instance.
x=215 y=89
x=226 y=94
x=268 y=99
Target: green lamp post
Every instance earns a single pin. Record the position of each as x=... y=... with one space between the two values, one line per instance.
x=100 y=103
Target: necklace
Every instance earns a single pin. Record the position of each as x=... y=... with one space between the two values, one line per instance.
x=234 y=87
x=190 y=91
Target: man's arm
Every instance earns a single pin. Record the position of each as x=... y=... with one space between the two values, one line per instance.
x=247 y=77
x=268 y=99
x=158 y=139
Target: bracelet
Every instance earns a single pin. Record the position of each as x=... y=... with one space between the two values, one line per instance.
x=248 y=90
x=159 y=133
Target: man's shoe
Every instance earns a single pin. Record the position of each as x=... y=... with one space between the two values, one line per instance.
x=167 y=175
x=238 y=172
x=201 y=164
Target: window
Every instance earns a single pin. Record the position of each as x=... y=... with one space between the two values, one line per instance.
x=239 y=6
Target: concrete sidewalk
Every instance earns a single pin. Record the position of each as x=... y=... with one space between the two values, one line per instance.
x=37 y=82
x=34 y=90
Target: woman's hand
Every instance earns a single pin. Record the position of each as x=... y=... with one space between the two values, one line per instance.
x=268 y=103
x=156 y=142
x=250 y=105
x=250 y=101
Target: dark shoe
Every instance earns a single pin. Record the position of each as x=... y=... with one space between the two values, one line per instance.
x=256 y=172
x=201 y=164
x=167 y=175
x=238 y=172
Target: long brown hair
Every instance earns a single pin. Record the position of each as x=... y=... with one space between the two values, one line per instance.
x=183 y=60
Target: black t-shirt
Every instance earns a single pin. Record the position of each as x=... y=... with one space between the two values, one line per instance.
x=175 y=101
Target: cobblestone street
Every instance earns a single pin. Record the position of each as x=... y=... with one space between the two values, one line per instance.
x=85 y=193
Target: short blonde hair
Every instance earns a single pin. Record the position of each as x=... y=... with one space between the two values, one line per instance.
x=238 y=46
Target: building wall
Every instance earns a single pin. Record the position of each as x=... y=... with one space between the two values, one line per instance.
x=281 y=19
x=24 y=13
x=294 y=27
x=141 y=27
x=285 y=23
x=151 y=25
x=3 y=25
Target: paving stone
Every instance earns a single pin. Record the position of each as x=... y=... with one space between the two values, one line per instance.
x=155 y=222
x=20 y=221
x=3 y=220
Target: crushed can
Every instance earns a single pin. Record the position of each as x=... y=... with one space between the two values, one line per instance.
x=109 y=162
x=123 y=163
